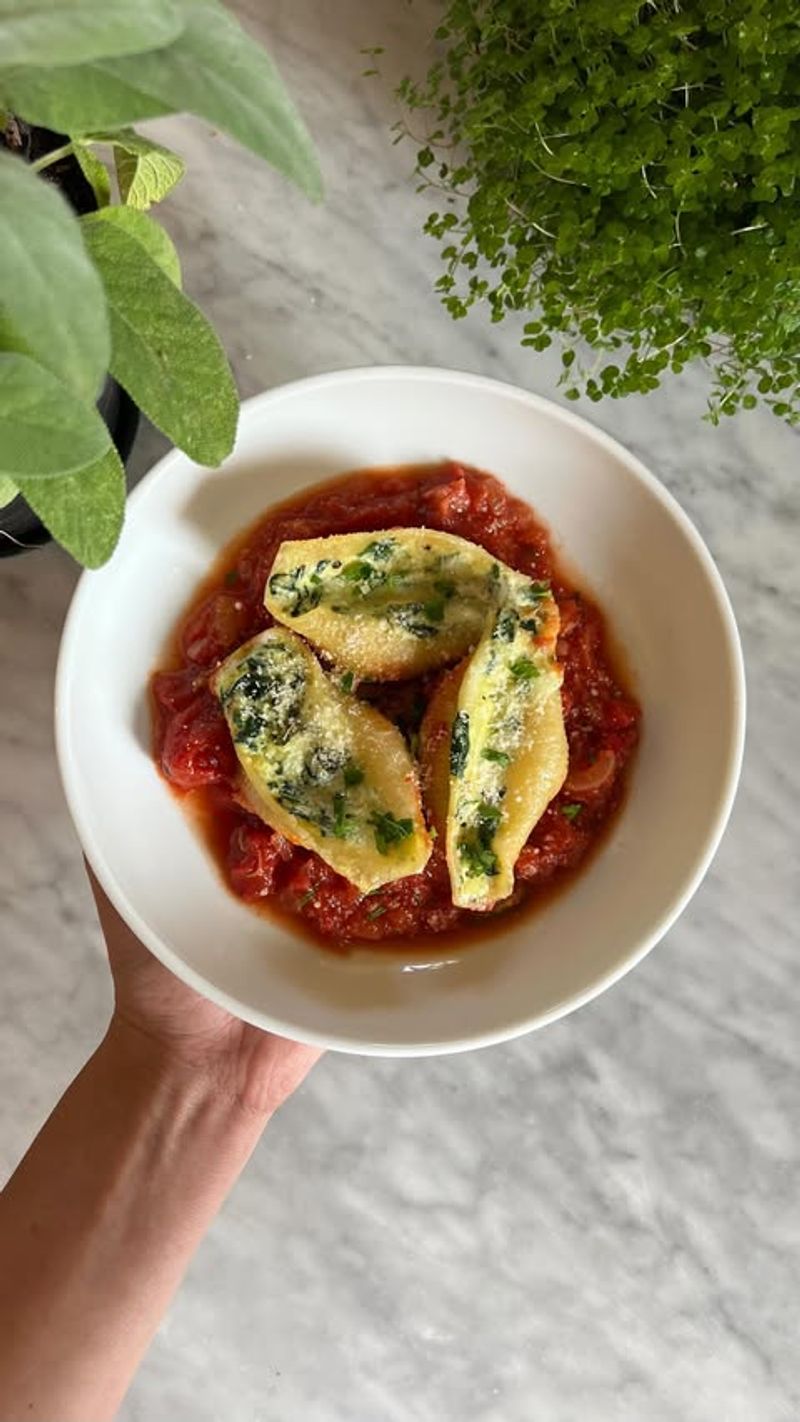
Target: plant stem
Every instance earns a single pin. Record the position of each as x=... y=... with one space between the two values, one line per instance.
x=53 y=157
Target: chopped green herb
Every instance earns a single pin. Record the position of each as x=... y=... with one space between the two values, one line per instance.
x=376 y=912
x=357 y=571
x=389 y=831
x=248 y=725
x=530 y=625
x=524 y=669
x=505 y=627
x=459 y=743
x=488 y=819
x=477 y=859
x=537 y=590
x=380 y=549
x=291 y=589
x=347 y=681
x=266 y=696
x=306 y=898
x=340 y=828
x=284 y=585
x=434 y=610
x=411 y=617
x=498 y=757
x=475 y=845
x=571 y=812
x=353 y=774
x=445 y=587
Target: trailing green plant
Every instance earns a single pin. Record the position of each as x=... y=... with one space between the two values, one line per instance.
x=81 y=296
x=629 y=174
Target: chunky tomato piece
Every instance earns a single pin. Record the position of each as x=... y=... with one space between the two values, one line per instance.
x=176 y=690
x=196 y=747
x=256 y=856
x=445 y=504
x=558 y=843
x=221 y=623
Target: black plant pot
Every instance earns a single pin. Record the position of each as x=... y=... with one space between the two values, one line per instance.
x=20 y=529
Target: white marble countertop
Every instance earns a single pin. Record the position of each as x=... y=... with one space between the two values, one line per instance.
x=596 y=1222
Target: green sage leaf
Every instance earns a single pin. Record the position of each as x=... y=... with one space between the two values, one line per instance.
x=51 y=298
x=146 y=171
x=150 y=233
x=76 y=98
x=44 y=429
x=95 y=173
x=164 y=351
x=73 y=31
x=84 y=510
x=8 y=490
x=214 y=69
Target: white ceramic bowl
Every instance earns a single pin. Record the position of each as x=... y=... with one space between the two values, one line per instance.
x=630 y=544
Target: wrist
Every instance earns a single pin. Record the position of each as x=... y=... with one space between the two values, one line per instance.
x=195 y=1076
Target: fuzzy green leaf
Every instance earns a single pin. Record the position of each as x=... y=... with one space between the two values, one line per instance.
x=44 y=429
x=156 y=242
x=214 y=69
x=164 y=352
x=95 y=173
x=8 y=490
x=146 y=171
x=77 y=98
x=84 y=510
x=73 y=31
x=51 y=297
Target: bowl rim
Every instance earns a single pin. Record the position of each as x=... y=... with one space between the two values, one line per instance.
x=519 y=1027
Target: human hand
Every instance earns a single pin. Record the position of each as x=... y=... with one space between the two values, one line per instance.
x=170 y=1026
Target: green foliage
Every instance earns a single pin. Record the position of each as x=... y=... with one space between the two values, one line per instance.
x=79 y=297
x=8 y=490
x=163 y=350
x=146 y=172
x=46 y=430
x=213 y=69
x=84 y=511
x=51 y=298
x=73 y=31
x=156 y=242
x=95 y=172
x=630 y=175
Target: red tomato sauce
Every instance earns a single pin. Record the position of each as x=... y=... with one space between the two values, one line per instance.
x=195 y=753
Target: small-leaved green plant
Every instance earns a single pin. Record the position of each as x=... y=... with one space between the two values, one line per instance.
x=83 y=296
x=630 y=175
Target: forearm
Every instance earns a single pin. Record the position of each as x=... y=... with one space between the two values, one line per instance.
x=100 y=1220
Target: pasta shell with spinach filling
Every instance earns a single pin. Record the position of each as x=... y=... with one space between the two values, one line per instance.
x=508 y=748
x=385 y=605
x=321 y=767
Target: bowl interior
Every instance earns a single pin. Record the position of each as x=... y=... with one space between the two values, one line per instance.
x=629 y=545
